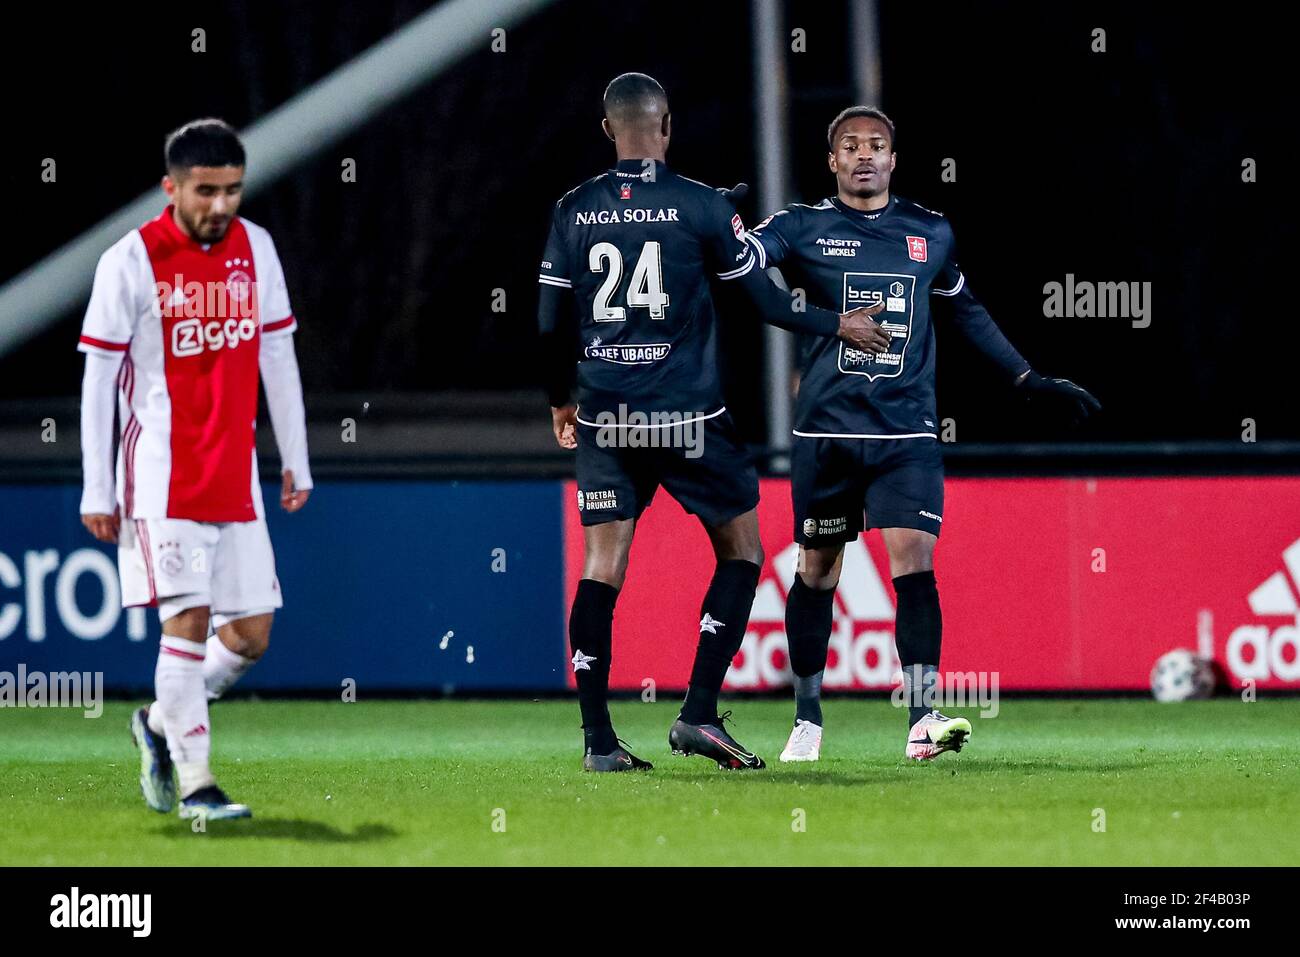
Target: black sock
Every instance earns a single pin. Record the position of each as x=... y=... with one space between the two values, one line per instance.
x=808 y=617
x=918 y=633
x=591 y=625
x=724 y=616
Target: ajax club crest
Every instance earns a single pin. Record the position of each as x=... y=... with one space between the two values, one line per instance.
x=239 y=284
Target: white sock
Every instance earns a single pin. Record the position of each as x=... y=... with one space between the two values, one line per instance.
x=193 y=775
x=222 y=668
x=155 y=720
x=183 y=707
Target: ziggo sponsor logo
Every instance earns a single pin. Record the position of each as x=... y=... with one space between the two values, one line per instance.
x=190 y=337
x=212 y=315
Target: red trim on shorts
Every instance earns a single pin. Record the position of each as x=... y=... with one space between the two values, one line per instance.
x=142 y=529
x=130 y=435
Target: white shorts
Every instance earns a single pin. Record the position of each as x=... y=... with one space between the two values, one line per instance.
x=228 y=563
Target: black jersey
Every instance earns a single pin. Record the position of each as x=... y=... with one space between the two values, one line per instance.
x=637 y=245
x=899 y=255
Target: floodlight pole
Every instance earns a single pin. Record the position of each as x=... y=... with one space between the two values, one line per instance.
x=864 y=33
x=771 y=143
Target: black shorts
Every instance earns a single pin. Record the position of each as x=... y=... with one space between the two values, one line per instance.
x=702 y=464
x=898 y=483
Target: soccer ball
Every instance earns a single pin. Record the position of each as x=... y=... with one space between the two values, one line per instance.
x=1180 y=675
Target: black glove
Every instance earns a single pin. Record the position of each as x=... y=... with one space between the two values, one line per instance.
x=1077 y=401
x=735 y=194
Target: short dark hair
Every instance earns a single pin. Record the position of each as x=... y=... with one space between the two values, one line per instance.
x=632 y=94
x=853 y=111
x=206 y=142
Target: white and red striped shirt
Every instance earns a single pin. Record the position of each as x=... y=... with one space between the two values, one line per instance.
x=189 y=323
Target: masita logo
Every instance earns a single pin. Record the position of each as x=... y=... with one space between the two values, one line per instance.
x=75 y=909
x=1259 y=651
x=862 y=637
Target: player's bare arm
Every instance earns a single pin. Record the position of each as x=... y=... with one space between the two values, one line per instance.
x=292 y=498
x=859 y=330
x=564 y=423
x=778 y=308
x=105 y=528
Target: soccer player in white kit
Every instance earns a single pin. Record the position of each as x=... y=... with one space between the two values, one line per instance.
x=185 y=313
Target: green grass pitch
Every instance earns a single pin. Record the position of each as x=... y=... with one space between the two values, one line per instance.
x=424 y=782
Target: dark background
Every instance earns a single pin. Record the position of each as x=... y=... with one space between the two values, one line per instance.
x=1117 y=166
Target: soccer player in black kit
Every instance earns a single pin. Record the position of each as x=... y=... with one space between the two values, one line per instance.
x=865 y=438
x=628 y=263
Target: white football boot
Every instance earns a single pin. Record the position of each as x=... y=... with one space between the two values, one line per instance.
x=805 y=742
x=934 y=734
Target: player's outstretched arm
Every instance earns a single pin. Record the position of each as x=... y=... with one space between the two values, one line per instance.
x=283 y=384
x=978 y=326
x=1077 y=401
x=975 y=323
x=728 y=244
x=778 y=308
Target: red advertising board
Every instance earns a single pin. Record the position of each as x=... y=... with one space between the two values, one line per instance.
x=1054 y=584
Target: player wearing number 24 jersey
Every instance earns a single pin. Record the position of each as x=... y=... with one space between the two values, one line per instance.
x=625 y=310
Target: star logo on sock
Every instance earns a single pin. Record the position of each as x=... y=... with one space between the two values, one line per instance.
x=581 y=662
x=710 y=624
